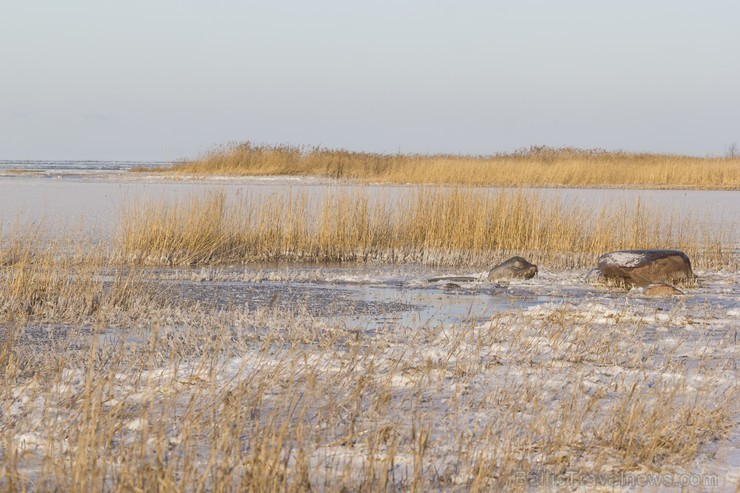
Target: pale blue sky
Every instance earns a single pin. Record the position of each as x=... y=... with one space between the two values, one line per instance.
x=161 y=80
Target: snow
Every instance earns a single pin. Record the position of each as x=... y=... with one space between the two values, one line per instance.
x=625 y=259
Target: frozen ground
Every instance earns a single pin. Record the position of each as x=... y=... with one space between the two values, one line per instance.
x=518 y=385
x=377 y=294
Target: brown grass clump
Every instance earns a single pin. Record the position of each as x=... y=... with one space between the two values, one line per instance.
x=433 y=226
x=537 y=166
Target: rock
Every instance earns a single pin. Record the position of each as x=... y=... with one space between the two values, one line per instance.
x=451 y=285
x=513 y=268
x=662 y=289
x=644 y=267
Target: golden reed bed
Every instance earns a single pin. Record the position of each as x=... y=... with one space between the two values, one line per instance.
x=464 y=226
x=537 y=166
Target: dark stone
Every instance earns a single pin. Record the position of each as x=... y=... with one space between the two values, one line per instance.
x=644 y=267
x=513 y=268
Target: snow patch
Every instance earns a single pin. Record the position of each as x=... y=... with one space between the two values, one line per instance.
x=626 y=259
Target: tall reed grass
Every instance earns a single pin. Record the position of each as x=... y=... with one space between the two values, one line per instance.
x=430 y=225
x=536 y=166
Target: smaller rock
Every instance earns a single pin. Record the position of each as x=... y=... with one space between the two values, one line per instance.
x=513 y=268
x=662 y=289
x=451 y=285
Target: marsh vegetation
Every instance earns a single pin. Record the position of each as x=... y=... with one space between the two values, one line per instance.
x=537 y=166
x=460 y=226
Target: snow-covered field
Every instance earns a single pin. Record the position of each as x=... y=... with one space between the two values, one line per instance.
x=374 y=377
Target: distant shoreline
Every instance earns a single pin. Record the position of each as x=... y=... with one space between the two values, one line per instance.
x=536 y=167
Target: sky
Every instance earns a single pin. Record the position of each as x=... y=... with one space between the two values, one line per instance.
x=167 y=80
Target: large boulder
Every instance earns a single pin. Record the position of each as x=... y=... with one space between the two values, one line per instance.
x=644 y=267
x=513 y=268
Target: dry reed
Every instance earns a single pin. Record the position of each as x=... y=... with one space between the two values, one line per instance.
x=536 y=167
x=433 y=226
x=59 y=280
